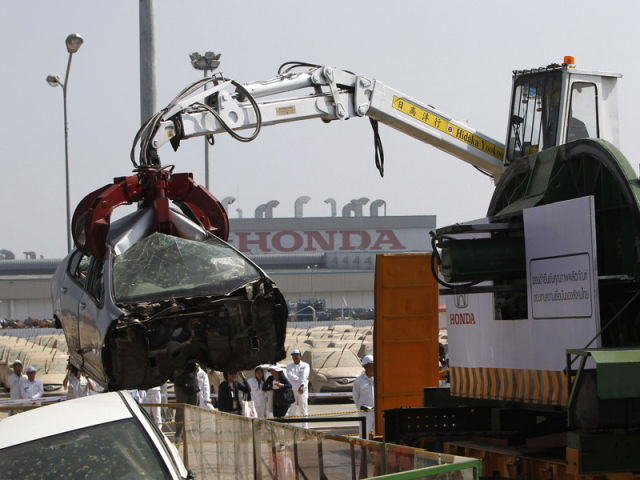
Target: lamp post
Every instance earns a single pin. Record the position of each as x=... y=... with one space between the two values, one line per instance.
x=311 y=269
x=207 y=62
x=73 y=43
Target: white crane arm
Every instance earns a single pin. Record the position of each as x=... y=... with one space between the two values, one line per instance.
x=335 y=95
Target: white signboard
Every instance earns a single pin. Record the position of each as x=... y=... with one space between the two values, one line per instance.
x=560 y=287
x=562 y=297
x=562 y=269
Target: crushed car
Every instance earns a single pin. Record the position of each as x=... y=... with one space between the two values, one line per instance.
x=148 y=303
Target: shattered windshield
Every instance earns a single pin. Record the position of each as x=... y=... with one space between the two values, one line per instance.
x=91 y=452
x=163 y=266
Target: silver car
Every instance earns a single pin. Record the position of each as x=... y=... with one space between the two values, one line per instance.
x=332 y=369
x=157 y=302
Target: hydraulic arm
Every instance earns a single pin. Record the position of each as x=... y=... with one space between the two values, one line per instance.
x=322 y=92
x=333 y=95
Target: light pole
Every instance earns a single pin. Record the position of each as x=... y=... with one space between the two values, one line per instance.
x=73 y=42
x=207 y=62
x=312 y=269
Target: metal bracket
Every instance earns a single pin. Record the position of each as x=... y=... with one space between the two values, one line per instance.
x=341 y=109
x=229 y=109
x=362 y=97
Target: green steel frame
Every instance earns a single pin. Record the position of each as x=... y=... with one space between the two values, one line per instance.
x=474 y=465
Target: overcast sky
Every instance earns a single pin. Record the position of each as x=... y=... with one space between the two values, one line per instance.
x=457 y=56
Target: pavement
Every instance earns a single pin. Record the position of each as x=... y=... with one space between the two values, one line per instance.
x=335 y=408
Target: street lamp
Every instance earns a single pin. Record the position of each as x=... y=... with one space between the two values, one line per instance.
x=311 y=269
x=73 y=43
x=207 y=62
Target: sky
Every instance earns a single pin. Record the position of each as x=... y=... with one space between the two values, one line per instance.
x=456 y=56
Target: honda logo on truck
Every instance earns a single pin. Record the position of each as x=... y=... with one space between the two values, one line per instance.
x=462 y=300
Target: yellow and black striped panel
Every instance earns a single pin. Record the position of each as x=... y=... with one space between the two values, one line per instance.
x=546 y=387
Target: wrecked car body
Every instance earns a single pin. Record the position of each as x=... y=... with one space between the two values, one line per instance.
x=156 y=302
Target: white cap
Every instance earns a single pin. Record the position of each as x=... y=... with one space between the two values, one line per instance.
x=16 y=362
x=295 y=352
x=276 y=367
x=367 y=359
x=31 y=368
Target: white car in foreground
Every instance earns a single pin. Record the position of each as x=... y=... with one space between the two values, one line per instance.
x=105 y=436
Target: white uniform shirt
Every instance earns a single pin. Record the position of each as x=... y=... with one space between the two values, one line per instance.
x=258 y=396
x=77 y=387
x=205 y=390
x=31 y=390
x=298 y=375
x=363 y=391
x=139 y=396
x=14 y=385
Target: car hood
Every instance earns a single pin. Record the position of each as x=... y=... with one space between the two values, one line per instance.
x=340 y=372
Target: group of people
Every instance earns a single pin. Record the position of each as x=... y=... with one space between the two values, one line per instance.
x=268 y=391
x=28 y=387
x=22 y=386
x=276 y=392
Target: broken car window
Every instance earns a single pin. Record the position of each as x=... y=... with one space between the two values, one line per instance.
x=112 y=450
x=163 y=266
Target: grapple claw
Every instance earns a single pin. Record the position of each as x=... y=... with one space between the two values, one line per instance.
x=150 y=187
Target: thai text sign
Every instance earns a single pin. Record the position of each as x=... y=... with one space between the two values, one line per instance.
x=561 y=286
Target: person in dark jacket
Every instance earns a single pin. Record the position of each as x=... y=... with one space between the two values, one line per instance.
x=278 y=383
x=185 y=385
x=228 y=400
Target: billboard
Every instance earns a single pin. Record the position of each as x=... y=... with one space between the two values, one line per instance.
x=265 y=236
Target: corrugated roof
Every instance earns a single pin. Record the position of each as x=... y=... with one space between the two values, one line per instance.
x=29 y=267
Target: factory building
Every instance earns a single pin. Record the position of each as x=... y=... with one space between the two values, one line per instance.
x=328 y=262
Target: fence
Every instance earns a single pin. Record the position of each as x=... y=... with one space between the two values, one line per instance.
x=217 y=445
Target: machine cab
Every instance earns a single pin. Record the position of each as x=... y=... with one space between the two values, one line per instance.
x=558 y=104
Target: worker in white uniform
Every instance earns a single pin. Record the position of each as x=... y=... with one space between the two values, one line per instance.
x=154 y=395
x=77 y=383
x=14 y=380
x=363 y=393
x=204 y=400
x=258 y=395
x=298 y=375
x=31 y=387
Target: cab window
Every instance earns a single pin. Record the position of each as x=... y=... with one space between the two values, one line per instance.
x=583 y=112
x=535 y=108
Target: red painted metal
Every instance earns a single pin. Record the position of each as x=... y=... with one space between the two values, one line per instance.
x=152 y=187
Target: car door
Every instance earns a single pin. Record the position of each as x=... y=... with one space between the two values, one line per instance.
x=90 y=319
x=71 y=292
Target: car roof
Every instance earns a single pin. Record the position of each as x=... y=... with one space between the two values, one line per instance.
x=64 y=417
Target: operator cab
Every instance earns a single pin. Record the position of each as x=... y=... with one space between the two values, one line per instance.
x=559 y=104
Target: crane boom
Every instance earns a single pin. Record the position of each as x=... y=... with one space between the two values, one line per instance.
x=336 y=95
